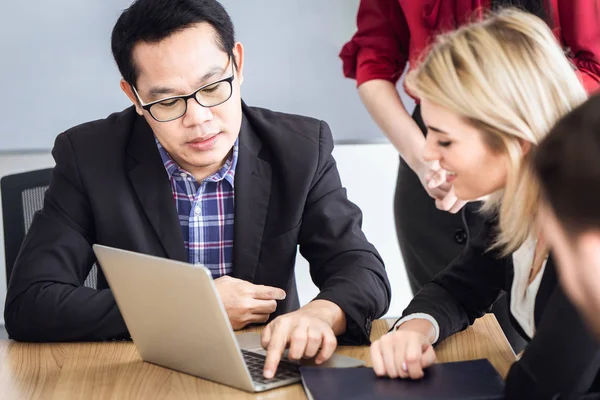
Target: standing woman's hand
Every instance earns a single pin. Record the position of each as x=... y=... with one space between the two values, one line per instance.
x=434 y=180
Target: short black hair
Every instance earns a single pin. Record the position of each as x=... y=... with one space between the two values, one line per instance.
x=151 y=21
x=567 y=163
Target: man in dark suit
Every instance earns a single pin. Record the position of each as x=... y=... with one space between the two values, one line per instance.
x=567 y=166
x=191 y=173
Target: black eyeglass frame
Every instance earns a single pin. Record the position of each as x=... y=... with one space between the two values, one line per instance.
x=185 y=98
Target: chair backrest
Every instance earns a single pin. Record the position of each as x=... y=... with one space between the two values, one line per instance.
x=22 y=196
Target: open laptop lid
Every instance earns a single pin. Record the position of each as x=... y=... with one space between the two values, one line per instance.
x=174 y=315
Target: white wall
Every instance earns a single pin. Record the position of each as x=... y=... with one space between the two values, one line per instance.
x=71 y=40
x=367 y=171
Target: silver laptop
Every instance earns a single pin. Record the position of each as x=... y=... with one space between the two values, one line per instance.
x=176 y=319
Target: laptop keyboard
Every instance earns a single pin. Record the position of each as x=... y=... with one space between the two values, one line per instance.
x=256 y=362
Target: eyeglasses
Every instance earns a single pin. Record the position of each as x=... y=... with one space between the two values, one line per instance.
x=171 y=108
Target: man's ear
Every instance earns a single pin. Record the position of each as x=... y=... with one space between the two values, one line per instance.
x=238 y=55
x=128 y=90
x=588 y=245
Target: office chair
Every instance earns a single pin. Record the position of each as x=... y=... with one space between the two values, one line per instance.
x=22 y=196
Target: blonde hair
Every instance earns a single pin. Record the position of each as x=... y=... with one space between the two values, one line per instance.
x=508 y=77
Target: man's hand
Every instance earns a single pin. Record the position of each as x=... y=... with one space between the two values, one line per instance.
x=245 y=302
x=433 y=178
x=311 y=331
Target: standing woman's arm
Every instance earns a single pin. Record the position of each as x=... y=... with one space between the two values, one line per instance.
x=579 y=23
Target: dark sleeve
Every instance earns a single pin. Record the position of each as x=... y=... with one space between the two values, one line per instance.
x=46 y=299
x=580 y=31
x=465 y=290
x=343 y=264
x=379 y=48
x=563 y=357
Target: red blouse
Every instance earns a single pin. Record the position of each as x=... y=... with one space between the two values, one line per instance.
x=393 y=32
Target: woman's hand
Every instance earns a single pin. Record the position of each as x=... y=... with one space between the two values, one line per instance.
x=433 y=179
x=405 y=352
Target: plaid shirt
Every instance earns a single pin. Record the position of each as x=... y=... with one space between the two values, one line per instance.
x=205 y=212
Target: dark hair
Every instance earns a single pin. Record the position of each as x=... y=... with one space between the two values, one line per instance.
x=535 y=7
x=567 y=163
x=154 y=20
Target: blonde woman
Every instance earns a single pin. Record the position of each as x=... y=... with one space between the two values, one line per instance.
x=489 y=93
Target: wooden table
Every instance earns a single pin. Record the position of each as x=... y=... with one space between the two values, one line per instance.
x=114 y=370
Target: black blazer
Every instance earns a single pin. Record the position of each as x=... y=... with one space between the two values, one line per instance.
x=561 y=361
x=109 y=186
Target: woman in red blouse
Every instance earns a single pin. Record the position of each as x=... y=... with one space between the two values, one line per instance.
x=392 y=33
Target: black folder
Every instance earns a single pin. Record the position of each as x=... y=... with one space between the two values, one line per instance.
x=466 y=380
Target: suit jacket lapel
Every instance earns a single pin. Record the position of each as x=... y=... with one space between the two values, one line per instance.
x=151 y=184
x=252 y=191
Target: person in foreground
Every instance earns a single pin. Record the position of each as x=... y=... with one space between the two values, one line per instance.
x=191 y=173
x=567 y=163
x=490 y=92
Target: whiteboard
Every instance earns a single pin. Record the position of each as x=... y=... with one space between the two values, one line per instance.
x=57 y=71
